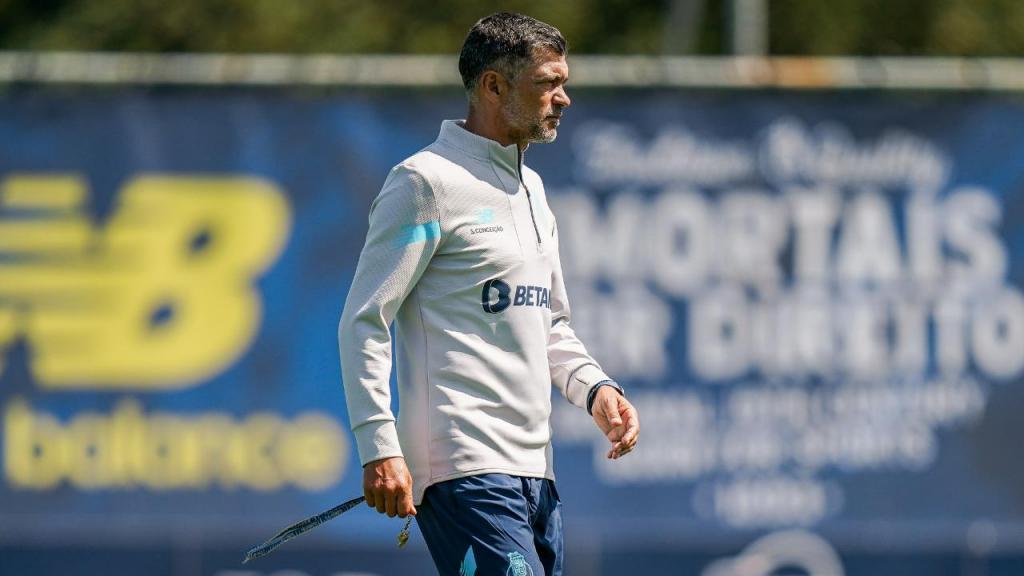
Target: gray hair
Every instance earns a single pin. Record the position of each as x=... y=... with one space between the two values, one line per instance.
x=505 y=42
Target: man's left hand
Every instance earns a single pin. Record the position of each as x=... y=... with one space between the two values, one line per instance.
x=618 y=419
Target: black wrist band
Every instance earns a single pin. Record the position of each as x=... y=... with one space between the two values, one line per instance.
x=593 y=393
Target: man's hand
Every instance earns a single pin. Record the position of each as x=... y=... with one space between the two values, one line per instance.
x=387 y=486
x=617 y=418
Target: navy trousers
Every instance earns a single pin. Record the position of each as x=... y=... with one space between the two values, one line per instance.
x=493 y=525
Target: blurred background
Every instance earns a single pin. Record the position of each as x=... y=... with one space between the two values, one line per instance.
x=792 y=229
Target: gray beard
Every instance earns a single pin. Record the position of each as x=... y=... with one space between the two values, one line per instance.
x=535 y=131
x=540 y=135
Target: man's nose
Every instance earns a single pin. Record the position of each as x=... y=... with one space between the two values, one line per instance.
x=562 y=98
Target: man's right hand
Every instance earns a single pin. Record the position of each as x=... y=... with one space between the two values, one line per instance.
x=387 y=486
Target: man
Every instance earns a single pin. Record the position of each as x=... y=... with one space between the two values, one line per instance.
x=462 y=252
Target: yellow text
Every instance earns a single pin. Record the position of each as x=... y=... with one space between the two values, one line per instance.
x=129 y=448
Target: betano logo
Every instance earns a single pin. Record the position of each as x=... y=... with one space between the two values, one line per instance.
x=160 y=298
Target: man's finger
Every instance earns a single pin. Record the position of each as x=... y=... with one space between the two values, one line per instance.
x=368 y=494
x=621 y=449
x=405 y=506
x=380 y=497
x=631 y=434
x=391 y=505
x=611 y=410
x=632 y=425
x=630 y=440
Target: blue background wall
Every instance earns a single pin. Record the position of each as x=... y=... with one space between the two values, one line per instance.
x=865 y=391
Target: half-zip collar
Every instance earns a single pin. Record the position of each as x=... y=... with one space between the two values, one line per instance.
x=505 y=158
x=508 y=159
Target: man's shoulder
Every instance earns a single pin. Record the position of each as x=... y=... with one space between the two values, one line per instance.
x=425 y=161
x=435 y=165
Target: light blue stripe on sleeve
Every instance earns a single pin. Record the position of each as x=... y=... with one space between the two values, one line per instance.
x=419 y=233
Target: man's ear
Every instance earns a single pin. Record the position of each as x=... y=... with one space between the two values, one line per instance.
x=493 y=85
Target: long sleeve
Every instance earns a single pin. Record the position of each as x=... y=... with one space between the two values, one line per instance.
x=404 y=233
x=573 y=371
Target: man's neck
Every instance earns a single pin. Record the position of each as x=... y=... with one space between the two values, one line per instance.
x=492 y=128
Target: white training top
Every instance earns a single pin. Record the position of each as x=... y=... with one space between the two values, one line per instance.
x=462 y=251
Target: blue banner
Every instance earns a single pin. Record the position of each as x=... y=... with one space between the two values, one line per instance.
x=814 y=300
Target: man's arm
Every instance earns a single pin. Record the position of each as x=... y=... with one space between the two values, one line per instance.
x=403 y=235
x=579 y=377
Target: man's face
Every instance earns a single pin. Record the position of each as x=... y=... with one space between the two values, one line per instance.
x=537 y=97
